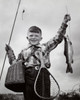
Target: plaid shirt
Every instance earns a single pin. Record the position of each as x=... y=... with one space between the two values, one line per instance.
x=30 y=60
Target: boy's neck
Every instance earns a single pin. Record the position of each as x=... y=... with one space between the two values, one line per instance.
x=34 y=45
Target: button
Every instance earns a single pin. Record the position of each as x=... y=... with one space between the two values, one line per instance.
x=36 y=67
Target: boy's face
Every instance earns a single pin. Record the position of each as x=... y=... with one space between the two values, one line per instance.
x=34 y=38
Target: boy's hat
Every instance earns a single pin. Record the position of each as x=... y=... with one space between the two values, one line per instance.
x=35 y=29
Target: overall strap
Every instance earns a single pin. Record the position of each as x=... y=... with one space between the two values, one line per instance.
x=33 y=54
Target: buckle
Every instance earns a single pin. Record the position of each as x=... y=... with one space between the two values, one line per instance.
x=36 y=67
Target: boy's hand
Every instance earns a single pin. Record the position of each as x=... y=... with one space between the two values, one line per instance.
x=7 y=48
x=66 y=18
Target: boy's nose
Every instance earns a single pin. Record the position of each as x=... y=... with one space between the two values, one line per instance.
x=34 y=37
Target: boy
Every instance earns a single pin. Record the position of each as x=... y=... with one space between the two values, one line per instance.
x=31 y=57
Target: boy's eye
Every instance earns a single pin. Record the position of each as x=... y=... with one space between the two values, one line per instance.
x=36 y=35
x=31 y=35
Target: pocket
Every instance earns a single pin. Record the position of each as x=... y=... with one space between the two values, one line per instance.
x=31 y=73
x=30 y=76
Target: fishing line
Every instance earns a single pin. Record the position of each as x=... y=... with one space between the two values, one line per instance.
x=23 y=13
x=67 y=11
x=69 y=28
x=10 y=37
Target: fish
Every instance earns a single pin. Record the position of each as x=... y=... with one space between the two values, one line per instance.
x=68 y=52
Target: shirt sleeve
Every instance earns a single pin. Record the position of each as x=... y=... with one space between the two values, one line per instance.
x=20 y=56
x=52 y=43
x=11 y=56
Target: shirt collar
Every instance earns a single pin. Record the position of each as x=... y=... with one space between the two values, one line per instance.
x=38 y=45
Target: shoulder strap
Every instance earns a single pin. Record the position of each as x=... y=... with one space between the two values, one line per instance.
x=33 y=54
x=36 y=58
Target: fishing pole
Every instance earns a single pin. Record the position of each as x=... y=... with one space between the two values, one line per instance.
x=10 y=37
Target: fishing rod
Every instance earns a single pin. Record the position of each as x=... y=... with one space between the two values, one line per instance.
x=10 y=37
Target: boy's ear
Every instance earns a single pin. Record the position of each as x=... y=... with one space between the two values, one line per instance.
x=41 y=38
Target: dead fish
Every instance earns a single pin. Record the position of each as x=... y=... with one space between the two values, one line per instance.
x=68 y=52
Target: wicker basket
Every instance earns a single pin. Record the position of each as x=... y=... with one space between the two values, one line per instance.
x=15 y=79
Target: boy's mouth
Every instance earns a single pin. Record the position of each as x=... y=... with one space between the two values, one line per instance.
x=33 y=40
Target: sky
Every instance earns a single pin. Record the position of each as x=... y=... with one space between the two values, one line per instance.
x=48 y=15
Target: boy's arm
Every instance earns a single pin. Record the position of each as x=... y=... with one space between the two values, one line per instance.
x=20 y=56
x=60 y=34
x=62 y=30
x=11 y=55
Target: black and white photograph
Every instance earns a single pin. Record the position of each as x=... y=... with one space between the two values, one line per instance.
x=39 y=50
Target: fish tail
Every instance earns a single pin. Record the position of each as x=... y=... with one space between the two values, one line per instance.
x=69 y=69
